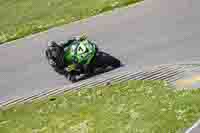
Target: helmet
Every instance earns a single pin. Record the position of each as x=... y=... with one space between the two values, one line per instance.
x=52 y=47
x=52 y=43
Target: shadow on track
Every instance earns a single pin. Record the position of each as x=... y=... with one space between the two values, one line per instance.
x=104 y=63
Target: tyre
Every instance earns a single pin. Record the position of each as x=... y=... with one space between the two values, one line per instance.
x=47 y=54
x=71 y=77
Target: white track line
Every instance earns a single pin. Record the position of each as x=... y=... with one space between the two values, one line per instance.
x=193 y=127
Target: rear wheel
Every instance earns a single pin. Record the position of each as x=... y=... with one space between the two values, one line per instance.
x=71 y=77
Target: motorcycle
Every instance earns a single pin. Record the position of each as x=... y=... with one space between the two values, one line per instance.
x=87 y=54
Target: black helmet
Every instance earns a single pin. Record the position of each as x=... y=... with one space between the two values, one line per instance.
x=52 y=43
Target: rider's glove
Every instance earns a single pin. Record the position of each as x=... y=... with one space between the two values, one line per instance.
x=71 y=67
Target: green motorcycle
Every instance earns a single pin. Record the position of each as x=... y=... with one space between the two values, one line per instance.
x=86 y=54
x=83 y=53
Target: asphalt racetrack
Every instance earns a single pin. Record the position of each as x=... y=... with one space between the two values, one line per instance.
x=148 y=33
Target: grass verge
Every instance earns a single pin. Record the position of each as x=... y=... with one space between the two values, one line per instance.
x=134 y=106
x=23 y=17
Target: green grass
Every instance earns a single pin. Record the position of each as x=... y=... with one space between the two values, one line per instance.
x=23 y=17
x=129 y=107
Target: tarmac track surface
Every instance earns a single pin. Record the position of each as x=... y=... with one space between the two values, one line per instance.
x=149 y=33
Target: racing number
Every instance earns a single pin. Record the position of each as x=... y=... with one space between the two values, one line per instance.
x=82 y=52
x=81 y=49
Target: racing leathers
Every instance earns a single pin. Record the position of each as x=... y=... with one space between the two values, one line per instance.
x=58 y=60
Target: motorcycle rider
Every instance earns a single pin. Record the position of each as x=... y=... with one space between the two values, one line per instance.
x=55 y=52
